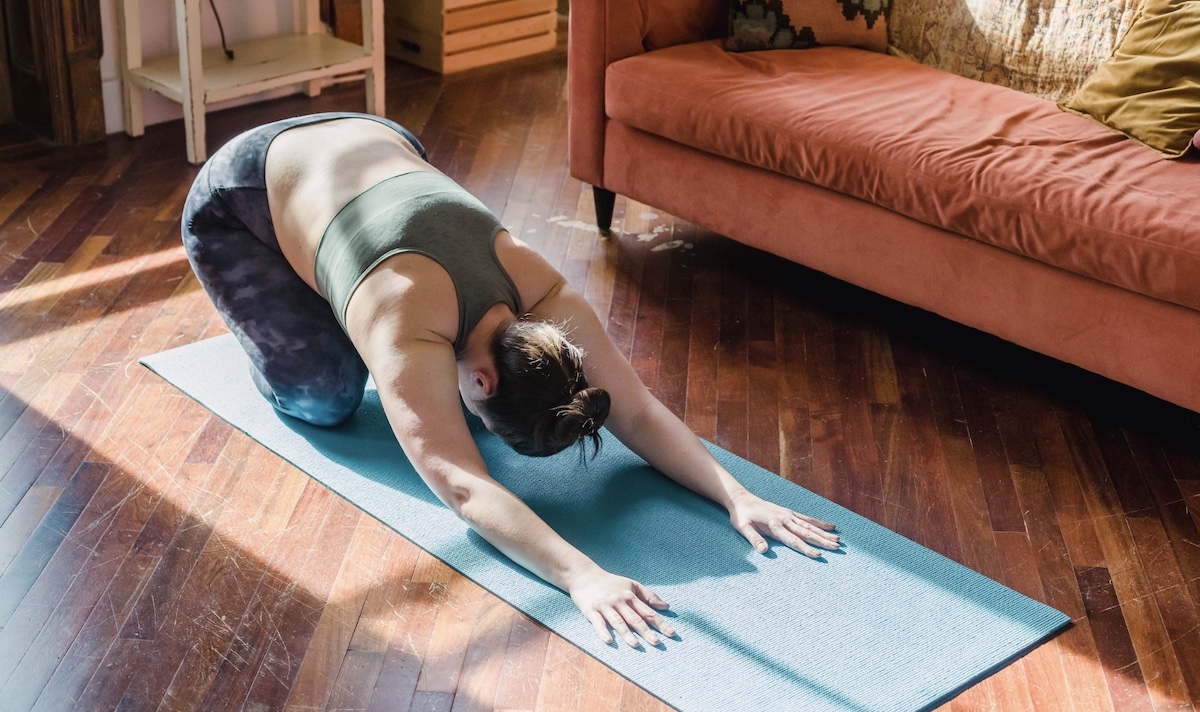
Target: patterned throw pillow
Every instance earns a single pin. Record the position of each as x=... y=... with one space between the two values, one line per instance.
x=1046 y=48
x=799 y=24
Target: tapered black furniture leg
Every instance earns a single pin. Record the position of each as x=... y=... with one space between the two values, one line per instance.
x=605 y=200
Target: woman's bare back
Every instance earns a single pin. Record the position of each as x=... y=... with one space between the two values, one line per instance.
x=313 y=171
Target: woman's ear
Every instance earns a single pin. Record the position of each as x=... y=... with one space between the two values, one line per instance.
x=484 y=383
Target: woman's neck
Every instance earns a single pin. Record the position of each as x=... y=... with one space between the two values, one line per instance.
x=479 y=340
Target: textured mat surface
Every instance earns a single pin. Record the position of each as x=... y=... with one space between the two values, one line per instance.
x=885 y=625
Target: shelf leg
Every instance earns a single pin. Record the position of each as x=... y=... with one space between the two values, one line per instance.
x=191 y=71
x=129 y=40
x=372 y=20
x=310 y=24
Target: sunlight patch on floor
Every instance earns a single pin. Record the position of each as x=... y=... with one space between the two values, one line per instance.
x=48 y=282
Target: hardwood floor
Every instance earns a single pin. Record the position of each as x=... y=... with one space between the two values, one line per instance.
x=152 y=558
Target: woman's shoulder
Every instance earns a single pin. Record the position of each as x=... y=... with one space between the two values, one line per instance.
x=534 y=276
x=408 y=294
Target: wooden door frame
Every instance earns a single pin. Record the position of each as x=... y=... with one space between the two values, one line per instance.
x=70 y=44
x=6 y=105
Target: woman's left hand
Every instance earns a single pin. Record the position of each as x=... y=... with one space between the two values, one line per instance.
x=755 y=518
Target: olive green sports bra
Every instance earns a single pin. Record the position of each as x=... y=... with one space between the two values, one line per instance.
x=423 y=212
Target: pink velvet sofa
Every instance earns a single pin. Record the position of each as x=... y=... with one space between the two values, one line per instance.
x=985 y=205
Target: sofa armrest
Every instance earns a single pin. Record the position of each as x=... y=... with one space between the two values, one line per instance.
x=605 y=31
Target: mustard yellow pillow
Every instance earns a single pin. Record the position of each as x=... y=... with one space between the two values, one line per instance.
x=1149 y=89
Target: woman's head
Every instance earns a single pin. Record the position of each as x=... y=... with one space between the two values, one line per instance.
x=542 y=403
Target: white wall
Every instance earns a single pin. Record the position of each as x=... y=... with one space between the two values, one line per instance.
x=242 y=19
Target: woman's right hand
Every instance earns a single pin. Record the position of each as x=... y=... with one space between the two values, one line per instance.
x=608 y=600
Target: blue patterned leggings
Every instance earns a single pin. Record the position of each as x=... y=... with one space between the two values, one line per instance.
x=301 y=359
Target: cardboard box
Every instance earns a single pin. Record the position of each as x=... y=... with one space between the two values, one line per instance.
x=452 y=35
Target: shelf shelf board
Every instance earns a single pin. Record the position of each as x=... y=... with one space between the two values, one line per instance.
x=258 y=65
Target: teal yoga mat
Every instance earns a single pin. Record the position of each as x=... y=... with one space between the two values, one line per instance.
x=885 y=625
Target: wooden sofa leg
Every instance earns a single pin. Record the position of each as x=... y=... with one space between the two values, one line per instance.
x=605 y=200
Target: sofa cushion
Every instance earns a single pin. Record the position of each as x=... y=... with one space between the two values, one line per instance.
x=1150 y=88
x=983 y=161
x=801 y=24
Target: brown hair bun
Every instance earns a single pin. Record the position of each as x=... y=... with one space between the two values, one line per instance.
x=583 y=417
x=542 y=403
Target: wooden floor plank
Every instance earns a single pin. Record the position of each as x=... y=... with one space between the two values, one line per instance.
x=1126 y=682
x=562 y=678
x=484 y=659
x=116 y=512
x=1173 y=602
x=24 y=518
x=64 y=689
x=524 y=660
x=36 y=553
x=600 y=690
x=405 y=653
x=298 y=621
x=36 y=226
x=635 y=699
x=703 y=342
x=450 y=636
x=284 y=547
x=20 y=444
x=330 y=642
x=231 y=563
x=1147 y=634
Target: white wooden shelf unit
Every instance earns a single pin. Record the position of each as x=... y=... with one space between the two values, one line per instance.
x=197 y=77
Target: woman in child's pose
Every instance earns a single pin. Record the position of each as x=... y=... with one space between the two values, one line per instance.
x=432 y=297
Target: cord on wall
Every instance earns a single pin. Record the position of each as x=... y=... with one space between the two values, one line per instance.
x=228 y=52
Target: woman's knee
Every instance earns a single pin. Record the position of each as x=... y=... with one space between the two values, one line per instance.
x=326 y=411
x=320 y=403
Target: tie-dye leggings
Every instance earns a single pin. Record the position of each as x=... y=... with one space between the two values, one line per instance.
x=301 y=359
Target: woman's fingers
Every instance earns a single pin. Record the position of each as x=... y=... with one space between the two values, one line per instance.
x=790 y=539
x=756 y=540
x=815 y=522
x=619 y=625
x=600 y=625
x=803 y=538
x=631 y=618
x=651 y=616
x=650 y=597
x=814 y=531
x=797 y=533
x=635 y=621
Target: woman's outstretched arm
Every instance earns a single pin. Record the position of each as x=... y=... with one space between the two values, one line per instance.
x=651 y=430
x=418 y=387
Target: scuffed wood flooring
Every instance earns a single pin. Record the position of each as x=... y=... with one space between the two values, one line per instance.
x=150 y=558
